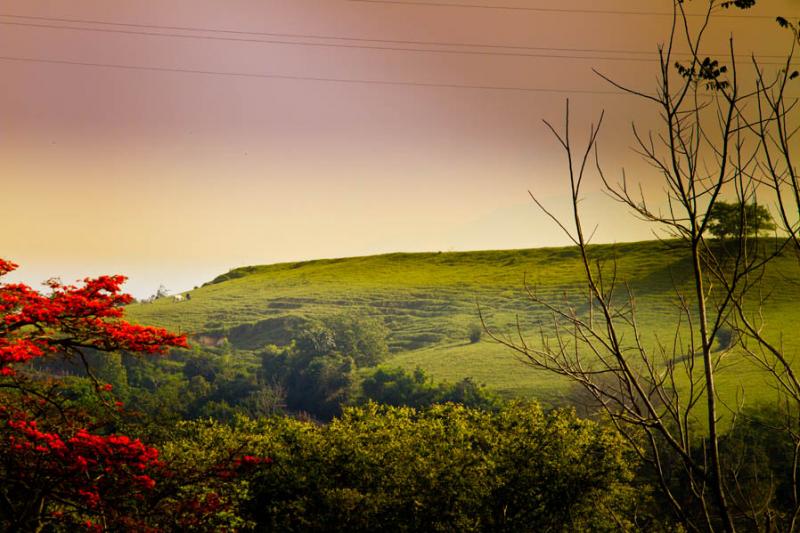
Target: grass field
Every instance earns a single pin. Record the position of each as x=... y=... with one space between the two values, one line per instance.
x=429 y=300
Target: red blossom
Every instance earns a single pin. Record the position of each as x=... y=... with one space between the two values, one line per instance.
x=17 y=351
x=90 y=315
x=96 y=470
x=89 y=473
x=93 y=480
x=6 y=267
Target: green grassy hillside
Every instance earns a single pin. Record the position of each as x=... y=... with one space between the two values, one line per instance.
x=429 y=300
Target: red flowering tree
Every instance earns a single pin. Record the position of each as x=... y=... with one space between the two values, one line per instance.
x=57 y=465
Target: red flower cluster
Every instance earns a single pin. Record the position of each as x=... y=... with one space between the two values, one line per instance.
x=97 y=466
x=32 y=324
x=53 y=469
x=193 y=512
x=6 y=267
x=250 y=461
x=240 y=465
x=16 y=351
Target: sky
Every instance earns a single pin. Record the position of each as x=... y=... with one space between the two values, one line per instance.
x=302 y=129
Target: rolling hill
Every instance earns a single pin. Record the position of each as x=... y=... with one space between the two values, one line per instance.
x=429 y=300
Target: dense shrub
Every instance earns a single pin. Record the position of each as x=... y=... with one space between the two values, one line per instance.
x=447 y=468
x=474 y=332
x=398 y=387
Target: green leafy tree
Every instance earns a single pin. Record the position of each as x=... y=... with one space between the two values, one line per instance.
x=360 y=337
x=733 y=220
x=317 y=371
x=314 y=382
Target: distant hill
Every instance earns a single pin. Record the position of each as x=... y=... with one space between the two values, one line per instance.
x=429 y=300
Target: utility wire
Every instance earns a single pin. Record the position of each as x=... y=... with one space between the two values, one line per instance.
x=329 y=45
x=305 y=78
x=552 y=9
x=334 y=37
x=310 y=36
x=146 y=68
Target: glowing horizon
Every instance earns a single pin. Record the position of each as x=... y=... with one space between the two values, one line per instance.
x=173 y=178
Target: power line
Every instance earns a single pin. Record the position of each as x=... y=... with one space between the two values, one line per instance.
x=551 y=9
x=317 y=36
x=325 y=37
x=329 y=45
x=147 y=68
x=305 y=78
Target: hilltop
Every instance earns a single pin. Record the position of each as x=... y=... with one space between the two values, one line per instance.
x=429 y=300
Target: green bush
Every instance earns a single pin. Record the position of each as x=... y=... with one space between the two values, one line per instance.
x=474 y=332
x=447 y=468
x=398 y=387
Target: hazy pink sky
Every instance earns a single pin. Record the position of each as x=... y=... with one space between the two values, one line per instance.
x=175 y=177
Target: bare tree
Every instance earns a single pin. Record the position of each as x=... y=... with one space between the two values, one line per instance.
x=710 y=145
x=777 y=133
x=775 y=124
